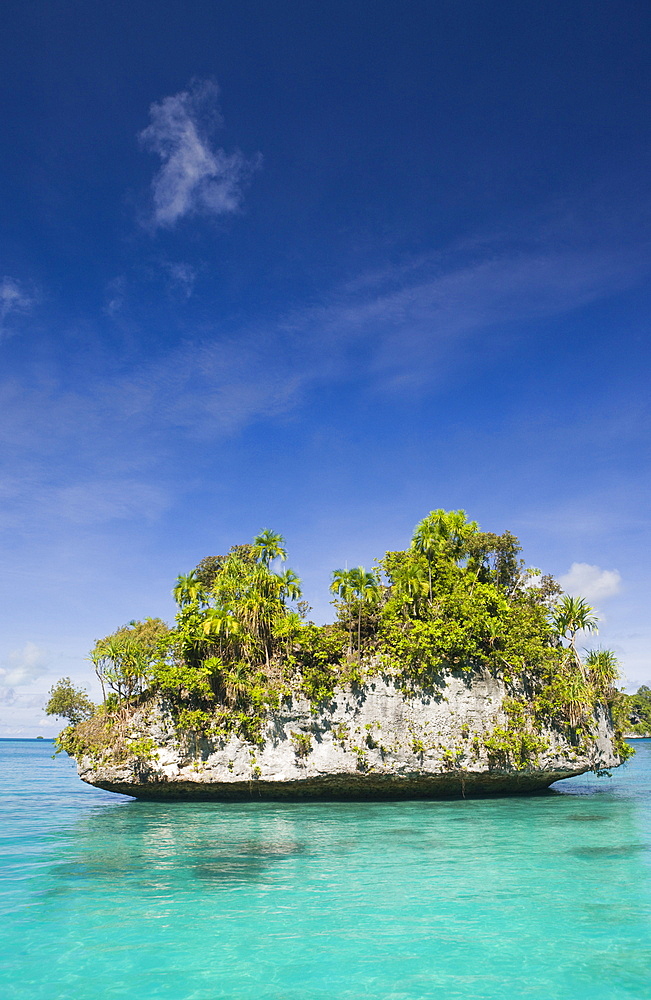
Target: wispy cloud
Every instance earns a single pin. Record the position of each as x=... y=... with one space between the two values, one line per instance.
x=415 y=324
x=406 y=330
x=14 y=300
x=115 y=295
x=183 y=277
x=591 y=582
x=195 y=177
x=104 y=499
x=23 y=666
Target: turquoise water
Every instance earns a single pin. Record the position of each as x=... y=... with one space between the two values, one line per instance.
x=545 y=897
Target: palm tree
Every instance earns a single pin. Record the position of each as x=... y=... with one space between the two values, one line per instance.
x=121 y=662
x=268 y=546
x=427 y=541
x=255 y=596
x=443 y=534
x=287 y=627
x=342 y=586
x=219 y=622
x=290 y=585
x=105 y=656
x=237 y=681
x=366 y=589
x=572 y=615
x=187 y=589
x=603 y=669
x=96 y=657
x=577 y=697
x=412 y=583
x=458 y=530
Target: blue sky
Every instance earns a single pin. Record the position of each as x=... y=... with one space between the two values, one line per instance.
x=322 y=268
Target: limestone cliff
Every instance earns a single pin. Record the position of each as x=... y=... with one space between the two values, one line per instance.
x=469 y=737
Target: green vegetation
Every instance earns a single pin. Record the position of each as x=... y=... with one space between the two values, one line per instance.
x=457 y=600
x=358 y=591
x=632 y=712
x=69 y=702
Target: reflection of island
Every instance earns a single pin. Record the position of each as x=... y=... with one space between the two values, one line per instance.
x=161 y=852
x=161 y=846
x=452 y=671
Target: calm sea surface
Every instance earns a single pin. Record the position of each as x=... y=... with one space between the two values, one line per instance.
x=545 y=897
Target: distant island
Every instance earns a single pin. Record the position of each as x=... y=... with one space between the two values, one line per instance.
x=632 y=713
x=451 y=669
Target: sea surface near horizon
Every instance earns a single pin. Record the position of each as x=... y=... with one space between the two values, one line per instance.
x=545 y=897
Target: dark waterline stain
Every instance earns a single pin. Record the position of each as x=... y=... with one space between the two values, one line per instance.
x=588 y=819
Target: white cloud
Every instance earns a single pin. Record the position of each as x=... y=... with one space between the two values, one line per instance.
x=23 y=666
x=194 y=177
x=115 y=295
x=183 y=277
x=100 y=500
x=591 y=582
x=13 y=300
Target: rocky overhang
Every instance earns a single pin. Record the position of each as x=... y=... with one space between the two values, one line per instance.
x=374 y=742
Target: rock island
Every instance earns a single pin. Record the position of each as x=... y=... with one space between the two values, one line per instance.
x=450 y=670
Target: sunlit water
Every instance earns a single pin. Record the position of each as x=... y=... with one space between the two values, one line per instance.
x=545 y=897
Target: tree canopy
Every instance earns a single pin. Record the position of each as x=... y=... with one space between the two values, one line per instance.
x=69 y=702
x=455 y=599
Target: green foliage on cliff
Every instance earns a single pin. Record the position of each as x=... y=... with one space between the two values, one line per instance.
x=124 y=660
x=457 y=599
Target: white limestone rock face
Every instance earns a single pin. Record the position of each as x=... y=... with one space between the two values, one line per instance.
x=369 y=743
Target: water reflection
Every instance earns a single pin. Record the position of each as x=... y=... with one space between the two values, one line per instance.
x=537 y=896
x=158 y=846
x=143 y=843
